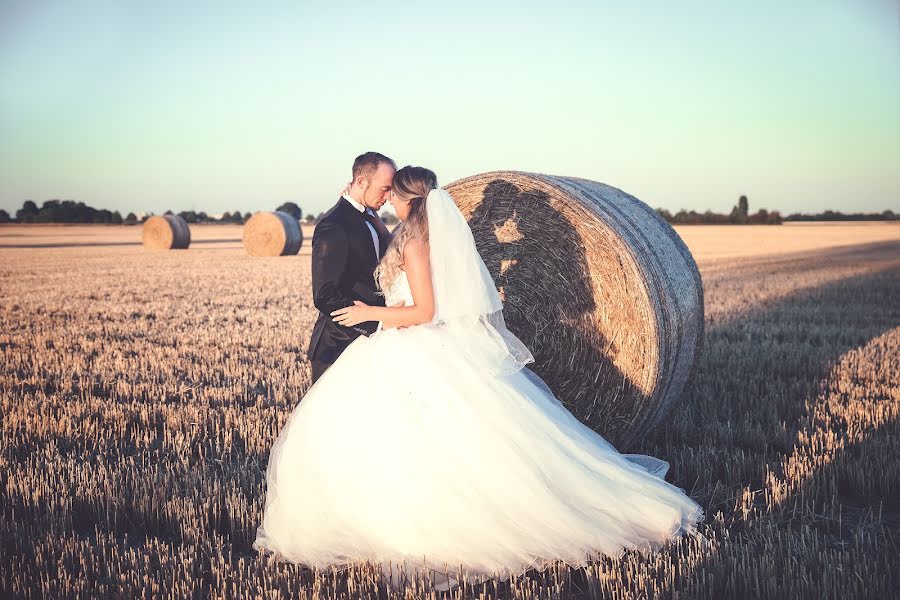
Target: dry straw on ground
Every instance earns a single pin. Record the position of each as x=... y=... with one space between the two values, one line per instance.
x=140 y=394
x=272 y=233
x=598 y=285
x=166 y=232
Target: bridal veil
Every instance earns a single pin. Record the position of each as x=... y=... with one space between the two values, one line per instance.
x=466 y=300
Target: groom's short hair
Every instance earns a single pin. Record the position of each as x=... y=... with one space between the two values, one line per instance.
x=366 y=164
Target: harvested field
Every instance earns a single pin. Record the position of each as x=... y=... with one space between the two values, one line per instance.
x=140 y=393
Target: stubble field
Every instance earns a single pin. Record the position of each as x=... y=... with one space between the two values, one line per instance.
x=140 y=393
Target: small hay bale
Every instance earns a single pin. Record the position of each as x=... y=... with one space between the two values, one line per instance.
x=599 y=287
x=272 y=233
x=166 y=232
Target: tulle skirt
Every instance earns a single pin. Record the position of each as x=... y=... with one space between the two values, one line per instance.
x=408 y=452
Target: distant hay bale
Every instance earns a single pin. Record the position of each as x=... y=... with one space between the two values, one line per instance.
x=166 y=232
x=598 y=285
x=273 y=233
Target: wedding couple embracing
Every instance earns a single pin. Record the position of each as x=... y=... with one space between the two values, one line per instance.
x=425 y=442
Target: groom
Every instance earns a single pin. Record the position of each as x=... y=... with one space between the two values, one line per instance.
x=347 y=244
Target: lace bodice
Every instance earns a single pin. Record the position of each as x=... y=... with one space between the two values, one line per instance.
x=398 y=291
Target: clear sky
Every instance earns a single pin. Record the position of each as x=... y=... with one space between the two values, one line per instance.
x=215 y=106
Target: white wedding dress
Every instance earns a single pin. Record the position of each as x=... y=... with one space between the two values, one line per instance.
x=407 y=450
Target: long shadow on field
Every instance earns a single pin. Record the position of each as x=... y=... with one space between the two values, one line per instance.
x=760 y=370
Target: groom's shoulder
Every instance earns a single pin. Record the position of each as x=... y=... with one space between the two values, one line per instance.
x=335 y=213
x=338 y=212
x=333 y=219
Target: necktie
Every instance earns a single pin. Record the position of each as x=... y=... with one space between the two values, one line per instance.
x=377 y=225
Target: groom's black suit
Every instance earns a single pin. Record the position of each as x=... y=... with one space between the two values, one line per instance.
x=343 y=265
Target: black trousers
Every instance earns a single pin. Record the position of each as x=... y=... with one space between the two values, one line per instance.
x=318 y=367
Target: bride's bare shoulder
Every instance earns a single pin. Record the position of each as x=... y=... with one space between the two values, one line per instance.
x=415 y=248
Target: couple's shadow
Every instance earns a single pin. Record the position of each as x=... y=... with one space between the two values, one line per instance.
x=540 y=266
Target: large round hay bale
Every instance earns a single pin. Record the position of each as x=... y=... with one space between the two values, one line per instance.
x=598 y=286
x=166 y=232
x=272 y=233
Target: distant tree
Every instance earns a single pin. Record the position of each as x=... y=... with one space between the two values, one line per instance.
x=310 y=219
x=168 y=212
x=831 y=215
x=235 y=217
x=4 y=216
x=739 y=212
x=687 y=217
x=664 y=214
x=130 y=218
x=116 y=218
x=63 y=211
x=247 y=216
x=27 y=213
x=759 y=217
x=191 y=216
x=188 y=215
x=765 y=217
x=291 y=209
x=52 y=211
x=389 y=218
x=714 y=218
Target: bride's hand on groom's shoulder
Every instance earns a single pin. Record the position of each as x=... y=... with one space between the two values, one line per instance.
x=346 y=189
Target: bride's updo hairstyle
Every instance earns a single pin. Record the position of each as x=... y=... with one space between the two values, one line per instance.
x=410 y=184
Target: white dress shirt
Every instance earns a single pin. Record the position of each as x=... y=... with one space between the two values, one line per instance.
x=362 y=208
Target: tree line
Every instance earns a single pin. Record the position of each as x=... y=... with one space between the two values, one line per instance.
x=740 y=215
x=69 y=211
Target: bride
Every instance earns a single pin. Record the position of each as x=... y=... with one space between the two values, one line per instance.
x=429 y=446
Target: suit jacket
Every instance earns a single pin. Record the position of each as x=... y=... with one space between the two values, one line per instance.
x=343 y=265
